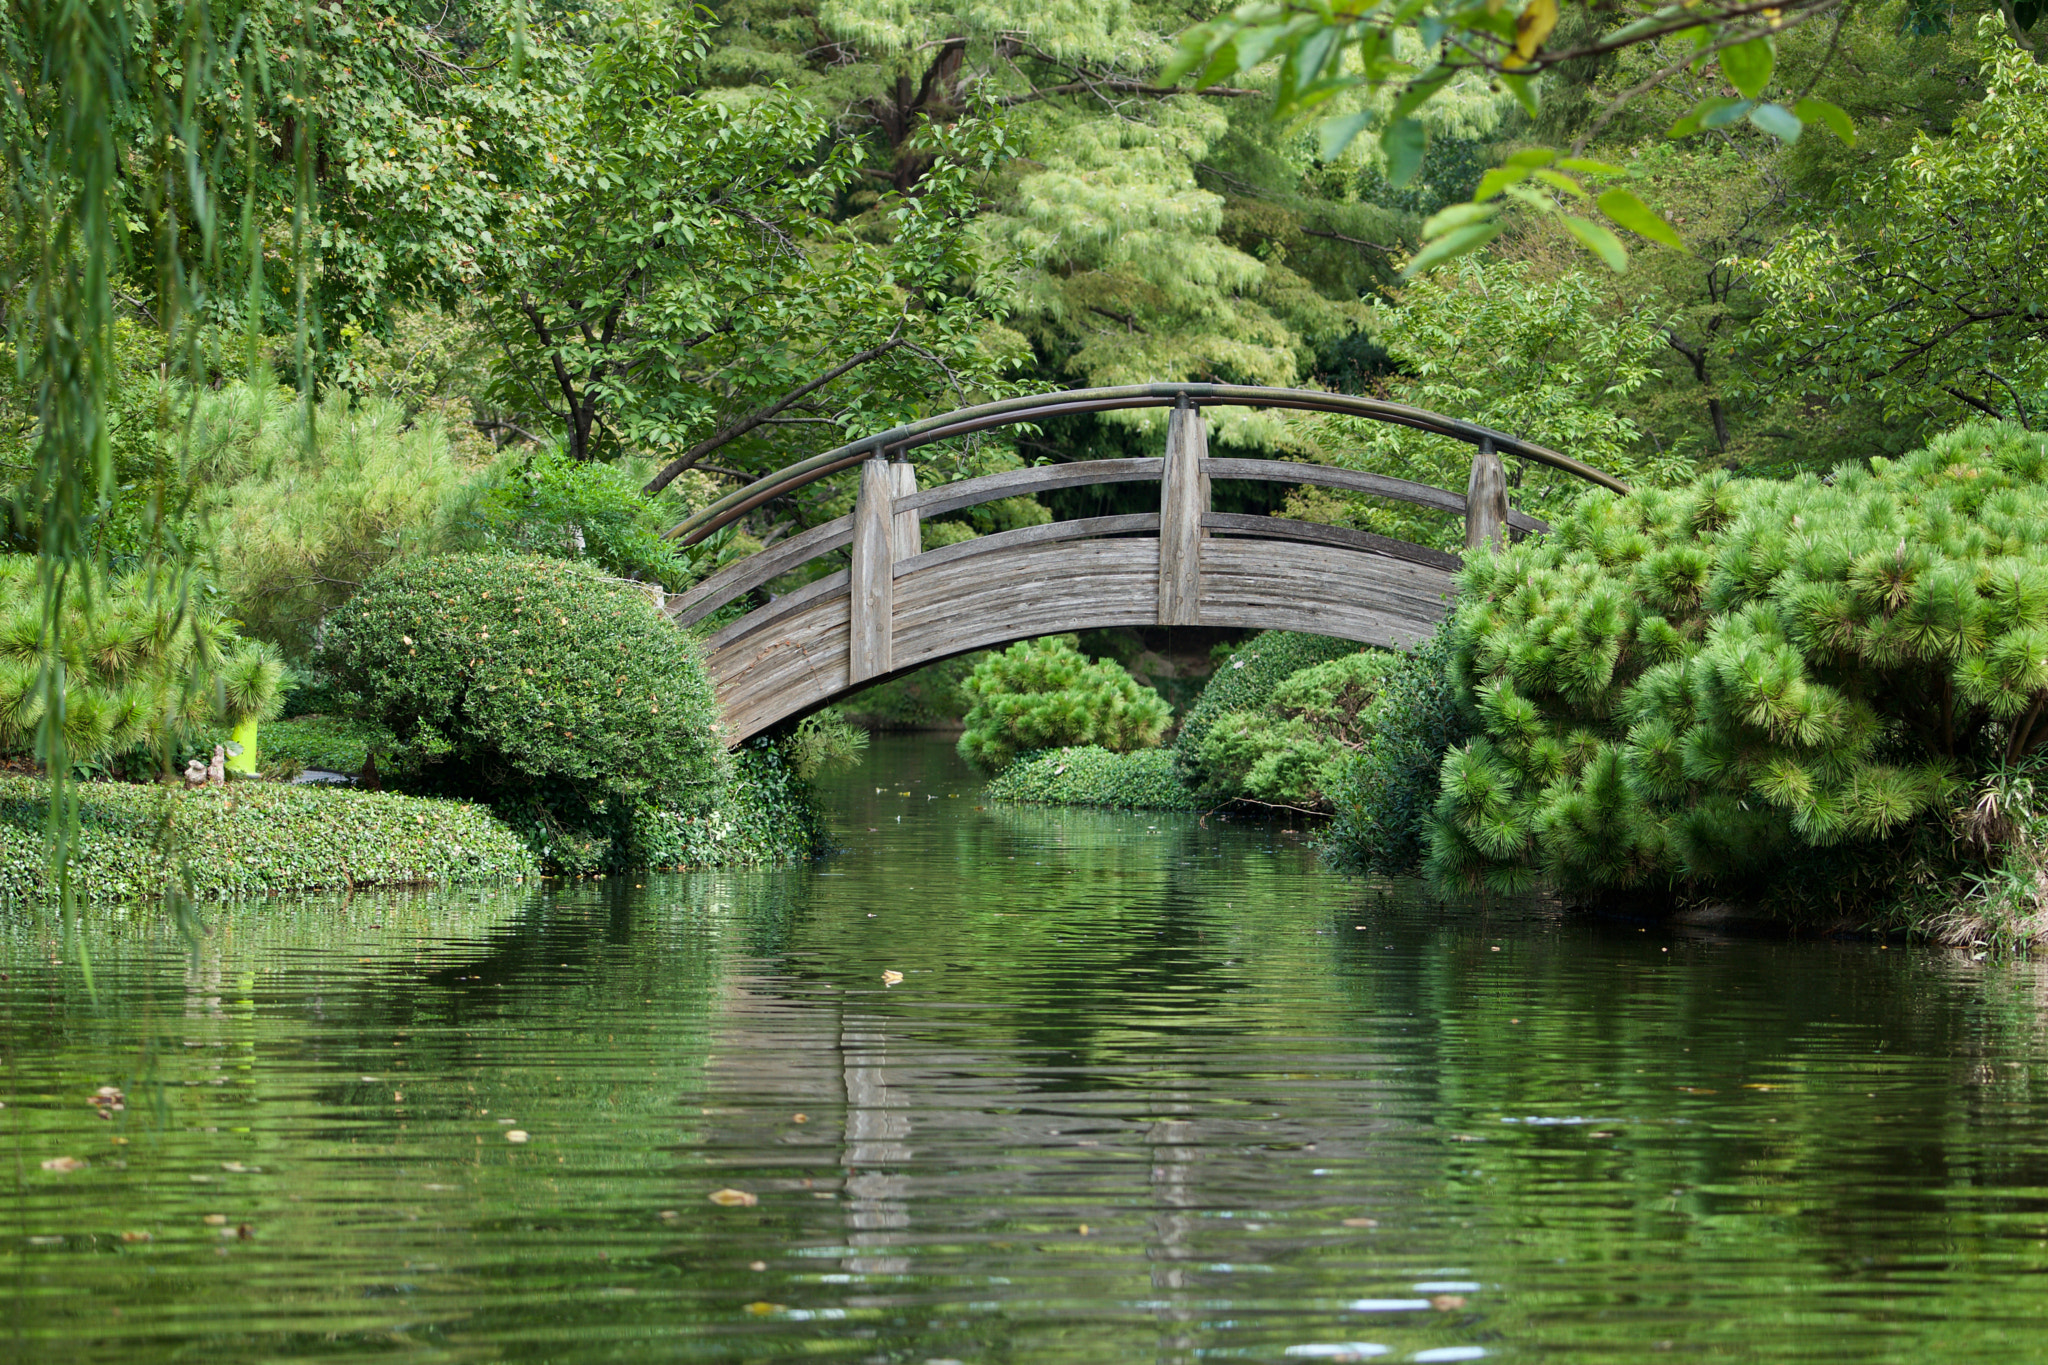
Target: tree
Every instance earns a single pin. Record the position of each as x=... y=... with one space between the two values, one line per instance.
x=1931 y=295
x=675 y=284
x=1356 y=65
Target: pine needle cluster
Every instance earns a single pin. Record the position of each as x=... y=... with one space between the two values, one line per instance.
x=1685 y=687
x=1047 y=694
x=140 y=668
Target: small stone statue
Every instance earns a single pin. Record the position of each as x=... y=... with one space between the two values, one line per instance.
x=195 y=773
x=217 y=771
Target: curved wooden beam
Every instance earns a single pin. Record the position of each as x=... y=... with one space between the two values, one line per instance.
x=1036 y=407
x=792 y=657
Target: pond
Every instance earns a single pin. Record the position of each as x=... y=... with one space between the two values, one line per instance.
x=1001 y=1084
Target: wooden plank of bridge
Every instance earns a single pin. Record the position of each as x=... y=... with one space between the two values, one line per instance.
x=872 y=579
x=1183 y=498
x=1486 y=500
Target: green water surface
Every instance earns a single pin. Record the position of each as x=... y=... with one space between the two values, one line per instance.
x=1147 y=1090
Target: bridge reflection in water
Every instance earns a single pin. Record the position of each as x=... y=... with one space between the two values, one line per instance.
x=898 y=607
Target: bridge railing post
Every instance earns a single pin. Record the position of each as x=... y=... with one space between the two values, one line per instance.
x=1486 y=500
x=1183 y=498
x=871 y=586
x=906 y=531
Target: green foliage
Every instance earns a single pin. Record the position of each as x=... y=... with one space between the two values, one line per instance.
x=541 y=502
x=1930 y=295
x=1044 y=694
x=249 y=839
x=1382 y=793
x=1686 y=687
x=824 y=742
x=304 y=516
x=1549 y=360
x=927 y=699
x=529 y=680
x=1288 y=751
x=766 y=812
x=674 y=280
x=1245 y=681
x=333 y=744
x=1144 y=779
x=141 y=669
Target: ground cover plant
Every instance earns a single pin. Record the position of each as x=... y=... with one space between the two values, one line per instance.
x=1691 y=689
x=248 y=838
x=1046 y=694
x=1090 y=775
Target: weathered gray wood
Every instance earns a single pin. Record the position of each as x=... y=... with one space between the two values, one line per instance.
x=945 y=607
x=905 y=531
x=874 y=555
x=1359 y=481
x=1317 y=533
x=781 y=609
x=1081 y=528
x=688 y=608
x=1183 y=497
x=1044 y=478
x=1486 y=501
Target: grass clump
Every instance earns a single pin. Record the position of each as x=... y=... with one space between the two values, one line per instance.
x=1093 y=776
x=249 y=839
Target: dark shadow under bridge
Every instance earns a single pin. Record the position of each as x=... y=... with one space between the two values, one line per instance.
x=898 y=607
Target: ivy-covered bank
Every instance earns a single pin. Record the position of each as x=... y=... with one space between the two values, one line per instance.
x=251 y=839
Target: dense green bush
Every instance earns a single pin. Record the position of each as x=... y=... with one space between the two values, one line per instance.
x=1244 y=682
x=533 y=683
x=540 y=502
x=147 y=664
x=1093 y=776
x=1287 y=752
x=249 y=838
x=1045 y=694
x=1685 y=688
x=766 y=812
x=332 y=744
x=1382 y=793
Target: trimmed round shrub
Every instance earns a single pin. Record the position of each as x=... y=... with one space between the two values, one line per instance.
x=1688 y=689
x=1093 y=776
x=1245 y=682
x=1046 y=694
x=1381 y=794
x=1287 y=752
x=529 y=682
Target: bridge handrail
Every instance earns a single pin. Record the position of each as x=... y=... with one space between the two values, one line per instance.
x=1036 y=406
x=755 y=570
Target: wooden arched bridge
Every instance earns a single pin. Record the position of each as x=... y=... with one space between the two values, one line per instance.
x=898 y=607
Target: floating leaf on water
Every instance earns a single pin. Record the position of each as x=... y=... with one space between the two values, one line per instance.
x=215 y=1220
x=799 y=1118
x=670 y=1216
x=516 y=1135
x=1361 y=1222
x=237 y=1168
x=62 y=1164
x=1447 y=1303
x=245 y=1231
x=762 y=1310
x=46 y=1241
x=757 y=1265
x=1338 y=1350
x=734 y=1199
x=135 y=1237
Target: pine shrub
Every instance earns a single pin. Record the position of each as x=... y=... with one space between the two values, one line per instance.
x=1382 y=793
x=1688 y=688
x=1046 y=694
x=1245 y=682
x=1288 y=751
x=146 y=666
x=554 y=693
